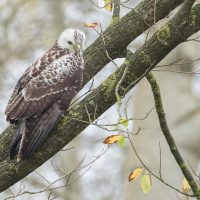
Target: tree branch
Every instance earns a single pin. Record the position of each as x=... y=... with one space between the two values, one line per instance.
x=118 y=35
x=116 y=11
x=168 y=136
x=101 y=98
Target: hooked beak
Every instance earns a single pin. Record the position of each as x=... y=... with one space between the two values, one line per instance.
x=77 y=47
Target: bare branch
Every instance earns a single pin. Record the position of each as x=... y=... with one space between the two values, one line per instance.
x=116 y=11
x=153 y=174
x=168 y=136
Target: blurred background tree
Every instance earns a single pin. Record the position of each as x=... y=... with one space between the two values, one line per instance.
x=27 y=30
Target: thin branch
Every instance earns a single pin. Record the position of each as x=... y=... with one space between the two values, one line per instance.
x=168 y=136
x=49 y=187
x=152 y=173
x=139 y=78
x=154 y=12
x=176 y=62
x=160 y=163
x=116 y=11
x=83 y=95
x=117 y=91
x=178 y=72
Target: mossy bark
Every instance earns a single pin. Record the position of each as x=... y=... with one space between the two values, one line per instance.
x=168 y=136
x=121 y=33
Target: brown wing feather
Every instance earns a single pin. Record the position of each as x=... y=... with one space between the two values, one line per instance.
x=40 y=98
x=36 y=131
x=17 y=106
x=14 y=99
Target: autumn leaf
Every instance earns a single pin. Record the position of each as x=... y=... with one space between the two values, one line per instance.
x=112 y=139
x=91 y=25
x=185 y=186
x=135 y=174
x=146 y=183
x=121 y=141
x=108 y=5
x=124 y=122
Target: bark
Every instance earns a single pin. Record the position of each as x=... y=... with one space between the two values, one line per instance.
x=117 y=37
x=168 y=136
x=120 y=34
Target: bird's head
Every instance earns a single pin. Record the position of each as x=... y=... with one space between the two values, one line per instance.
x=72 y=39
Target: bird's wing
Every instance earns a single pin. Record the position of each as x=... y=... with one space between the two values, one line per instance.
x=38 y=128
x=19 y=86
x=35 y=132
x=32 y=71
x=43 y=89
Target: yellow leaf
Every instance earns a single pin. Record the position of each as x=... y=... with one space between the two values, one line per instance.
x=185 y=186
x=124 y=122
x=91 y=25
x=112 y=139
x=136 y=173
x=121 y=141
x=146 y=183
x=108 y=5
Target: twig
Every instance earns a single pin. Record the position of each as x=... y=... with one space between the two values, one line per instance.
x=49 y=187
x=126 y=107
x=178 y=72
x=116 y=11
x=160 y=163
x=138 y=79
x=152 y=173
x=176 y=62
x=154 y=12
x=88 y=114
x=101 y=7
x=197 y=39
x=117 y=91
x=42 y=176
x=172 y=145
x=83 y=95
x=192 y=170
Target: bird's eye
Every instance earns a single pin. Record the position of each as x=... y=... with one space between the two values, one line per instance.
x=69 y=42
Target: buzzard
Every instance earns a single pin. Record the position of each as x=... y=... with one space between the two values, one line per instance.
x=44 y=92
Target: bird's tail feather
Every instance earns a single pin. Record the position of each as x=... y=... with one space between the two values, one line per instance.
x=16 y=138
x=35 y=132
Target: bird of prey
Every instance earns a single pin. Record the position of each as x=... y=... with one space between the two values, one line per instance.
x=44 y=92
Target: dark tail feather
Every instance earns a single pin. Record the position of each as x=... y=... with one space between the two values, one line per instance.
x=37 y=130
x=16 y=138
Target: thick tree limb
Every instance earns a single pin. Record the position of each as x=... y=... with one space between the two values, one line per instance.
x=118 y=35
x=139 y=63
x=170 y=140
